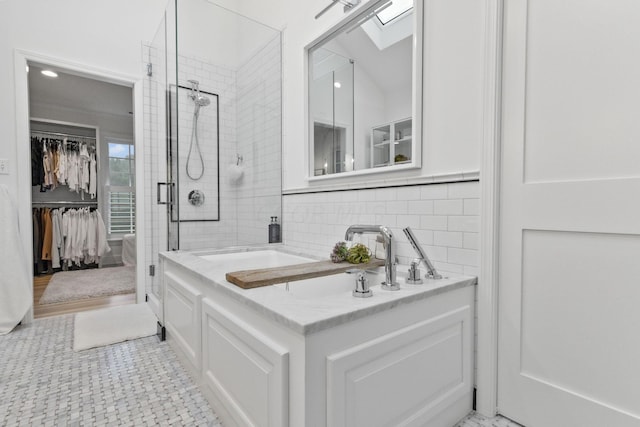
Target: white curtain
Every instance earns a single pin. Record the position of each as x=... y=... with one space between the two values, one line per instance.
x=15 y=281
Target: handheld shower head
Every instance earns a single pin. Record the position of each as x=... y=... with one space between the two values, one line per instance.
x=195 y=95
x=201 y=100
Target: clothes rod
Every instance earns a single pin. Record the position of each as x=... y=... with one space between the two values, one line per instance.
x=63 y=134
x=57 y=203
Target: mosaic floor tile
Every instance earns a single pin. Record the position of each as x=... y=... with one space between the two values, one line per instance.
x=44 y=382
x=477 y=420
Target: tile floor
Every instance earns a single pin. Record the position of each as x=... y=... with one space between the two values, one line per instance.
x=477 y=420
x=136 y=383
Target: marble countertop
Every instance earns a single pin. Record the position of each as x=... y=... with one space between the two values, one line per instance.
x=308 y=314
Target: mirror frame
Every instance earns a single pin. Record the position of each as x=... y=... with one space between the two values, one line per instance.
x=357 y=19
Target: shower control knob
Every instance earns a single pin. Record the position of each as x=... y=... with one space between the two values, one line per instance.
x=196 y=197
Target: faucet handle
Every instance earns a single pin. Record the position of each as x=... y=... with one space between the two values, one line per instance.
x=362 y=286
x=414 y=273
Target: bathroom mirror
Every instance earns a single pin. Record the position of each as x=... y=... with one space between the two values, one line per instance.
x=364 y=89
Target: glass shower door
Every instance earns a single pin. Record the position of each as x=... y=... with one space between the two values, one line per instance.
x=155 y=164
x=172 y=111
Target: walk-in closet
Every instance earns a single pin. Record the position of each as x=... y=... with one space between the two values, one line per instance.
x=82 y=192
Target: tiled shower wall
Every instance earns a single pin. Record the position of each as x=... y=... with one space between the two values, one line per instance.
x=259 y=142
x=444 y=217
x=222 y=81
x=250 y=125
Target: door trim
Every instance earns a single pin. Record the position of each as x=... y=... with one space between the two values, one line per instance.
x=487 y=289
x=23 y=151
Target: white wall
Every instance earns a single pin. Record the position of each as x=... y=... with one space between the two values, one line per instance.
x=453 y=84
x=217 y=35
x=103 y=35
x=259 y=117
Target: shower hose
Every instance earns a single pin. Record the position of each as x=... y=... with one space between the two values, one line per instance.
x=194 y=136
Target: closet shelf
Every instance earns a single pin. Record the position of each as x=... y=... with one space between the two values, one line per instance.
x=62 y=203
x=68 y=135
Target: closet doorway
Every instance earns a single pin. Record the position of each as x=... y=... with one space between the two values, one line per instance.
x=83 y=191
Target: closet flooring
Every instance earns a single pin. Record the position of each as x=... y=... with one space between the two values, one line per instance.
x=39 y=285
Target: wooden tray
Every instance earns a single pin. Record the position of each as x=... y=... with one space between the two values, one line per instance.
x=247 y=279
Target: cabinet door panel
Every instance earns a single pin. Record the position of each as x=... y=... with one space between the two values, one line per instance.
x=420 y=370
x=246 y=370
x=182 y=318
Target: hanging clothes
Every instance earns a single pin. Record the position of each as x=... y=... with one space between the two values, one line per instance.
x=37 y=170
x=84 y=168
x=57 y=239
x=93 y=177
x=68 y=162
x=84 y=235
x=38 y=264
x=61 y=167
x=47 y=166
x=47 y=239
x=68 y=237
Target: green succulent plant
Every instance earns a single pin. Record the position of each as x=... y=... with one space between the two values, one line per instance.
x=358 y=254
x=339 y=252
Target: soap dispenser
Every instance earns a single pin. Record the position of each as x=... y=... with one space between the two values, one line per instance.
x=274 y=230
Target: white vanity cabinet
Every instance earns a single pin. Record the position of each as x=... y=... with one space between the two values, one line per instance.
x=404 y=360
x=391 y=143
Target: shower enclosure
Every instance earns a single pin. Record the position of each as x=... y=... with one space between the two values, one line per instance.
x=212 y=132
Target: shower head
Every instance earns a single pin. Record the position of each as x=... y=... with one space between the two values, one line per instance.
x=196 y=97
x=201 y=101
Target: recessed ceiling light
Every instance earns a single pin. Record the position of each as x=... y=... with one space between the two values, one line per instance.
x=49 y=73
x=337 y=85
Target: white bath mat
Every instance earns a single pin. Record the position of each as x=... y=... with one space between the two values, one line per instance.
x=112 y=325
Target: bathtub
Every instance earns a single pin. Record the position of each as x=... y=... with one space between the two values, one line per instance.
x=307 y=353
x=252 y=259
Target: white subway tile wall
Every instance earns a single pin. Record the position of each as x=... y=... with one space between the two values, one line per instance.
x=259 y=113
x=314 y=222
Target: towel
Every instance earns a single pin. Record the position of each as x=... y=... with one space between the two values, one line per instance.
x=15 y=280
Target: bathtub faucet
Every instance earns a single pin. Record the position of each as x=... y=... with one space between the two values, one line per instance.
x=389 y=258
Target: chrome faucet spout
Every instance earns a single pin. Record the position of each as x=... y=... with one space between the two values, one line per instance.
x=390 y=282
x=433 y=273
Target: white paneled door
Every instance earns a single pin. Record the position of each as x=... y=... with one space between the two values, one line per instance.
x=569 y=296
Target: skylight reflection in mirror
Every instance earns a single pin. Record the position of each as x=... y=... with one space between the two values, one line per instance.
x=397 y=8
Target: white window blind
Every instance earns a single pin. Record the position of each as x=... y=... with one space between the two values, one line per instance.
x=122 y=212
x=121 y=189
